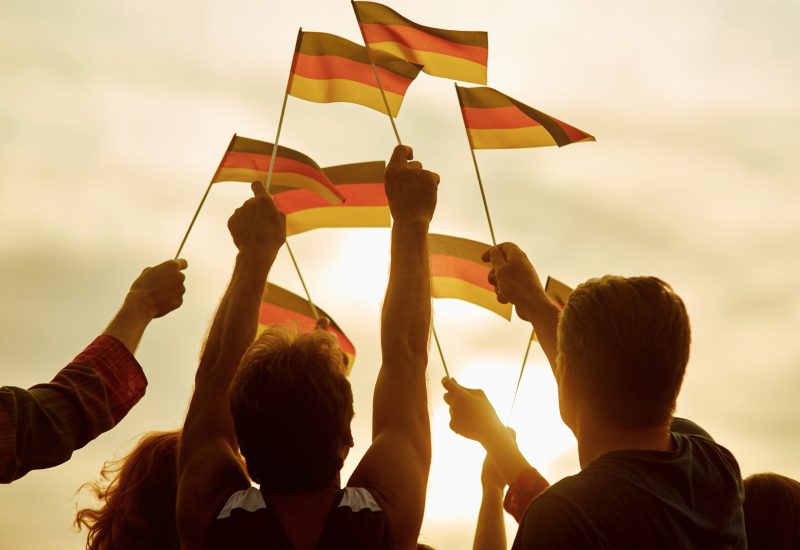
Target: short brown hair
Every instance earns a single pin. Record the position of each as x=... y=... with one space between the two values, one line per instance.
x=626 y=341
x=771 y=511
x=292 y=407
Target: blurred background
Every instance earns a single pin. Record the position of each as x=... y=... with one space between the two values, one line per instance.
x=114 y=115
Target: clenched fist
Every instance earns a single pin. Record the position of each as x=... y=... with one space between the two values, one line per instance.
x=411 y=190
x=159 y=289
x=258 y=226
x=513 y=276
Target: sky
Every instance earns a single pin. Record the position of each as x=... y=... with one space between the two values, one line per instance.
x=114 y=115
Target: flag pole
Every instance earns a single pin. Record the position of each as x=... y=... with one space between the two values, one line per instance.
x=477 y=171
x=283 y=111
x=439 y=347
x=377 y=76
x=519 y=380
x=302 y=281
x=203 y=200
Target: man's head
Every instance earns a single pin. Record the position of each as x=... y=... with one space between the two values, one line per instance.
x=623 y=346
x=292 y=408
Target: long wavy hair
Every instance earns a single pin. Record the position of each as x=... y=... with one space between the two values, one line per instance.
x=137 y=498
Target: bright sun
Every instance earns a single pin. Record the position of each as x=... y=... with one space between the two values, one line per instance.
x=454 y=487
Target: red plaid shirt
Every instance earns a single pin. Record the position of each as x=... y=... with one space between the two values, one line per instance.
x=42 y=426
x=528 y=485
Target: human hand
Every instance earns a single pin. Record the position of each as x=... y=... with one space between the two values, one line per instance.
x=159 y=289
x=471 y=414
x=410 y=189
x=258 y=226
x=513 y=276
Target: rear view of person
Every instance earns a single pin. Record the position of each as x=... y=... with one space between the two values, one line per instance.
x=137 y=495
x=619 y=352
x=772 y=512
x=289 y=406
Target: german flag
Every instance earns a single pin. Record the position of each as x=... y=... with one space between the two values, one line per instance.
x=459 y=55
x=496 y=121
x=365 y=204
x=327 y=68
x=457 y=271
x=281 y=307
x=248 y=160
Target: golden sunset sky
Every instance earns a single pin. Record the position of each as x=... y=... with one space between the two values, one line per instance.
x=114 y=115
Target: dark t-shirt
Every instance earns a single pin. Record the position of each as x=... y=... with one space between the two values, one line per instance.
x=690 y=497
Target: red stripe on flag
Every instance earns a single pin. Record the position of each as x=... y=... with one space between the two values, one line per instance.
x=420 y=40
x=496 y=118
x=255 y=161
x=327 y=67
x=356 y=194
x=459 y=268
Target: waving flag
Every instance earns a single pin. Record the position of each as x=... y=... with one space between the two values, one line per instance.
x=327 y=68
x=281 y=307
x=248 y=160
x=459 y=55
x=365 y=203
x=457 y=271
x=496 y=121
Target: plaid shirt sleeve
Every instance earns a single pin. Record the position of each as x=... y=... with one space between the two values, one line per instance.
x=528 y=485
x=42 y=426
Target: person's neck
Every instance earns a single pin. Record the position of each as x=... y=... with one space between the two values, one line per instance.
x=597 y=437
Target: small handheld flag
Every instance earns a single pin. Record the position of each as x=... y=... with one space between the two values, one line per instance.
x=495 y=121
x=248 y=160
x=327 y=68
x=458 y=55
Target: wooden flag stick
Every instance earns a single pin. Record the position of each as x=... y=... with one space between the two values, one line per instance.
x=283 y=112
x=377 y=76
x=519 y=379
x=302 y=281
x=203 y=200
x=477 y=173
x=439 y=347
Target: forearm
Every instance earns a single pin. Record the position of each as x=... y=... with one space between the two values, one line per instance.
x=234 y=326
x=543 y=315
x=505 y=454
x=129 y=324
x=490 y=532
x=406 y=315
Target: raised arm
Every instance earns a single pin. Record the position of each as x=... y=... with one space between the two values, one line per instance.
x=396 y=465
x=208 y=465
x=516 y=281
x=42 y=426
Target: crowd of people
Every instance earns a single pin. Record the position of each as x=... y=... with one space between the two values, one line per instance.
x=257 y=462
